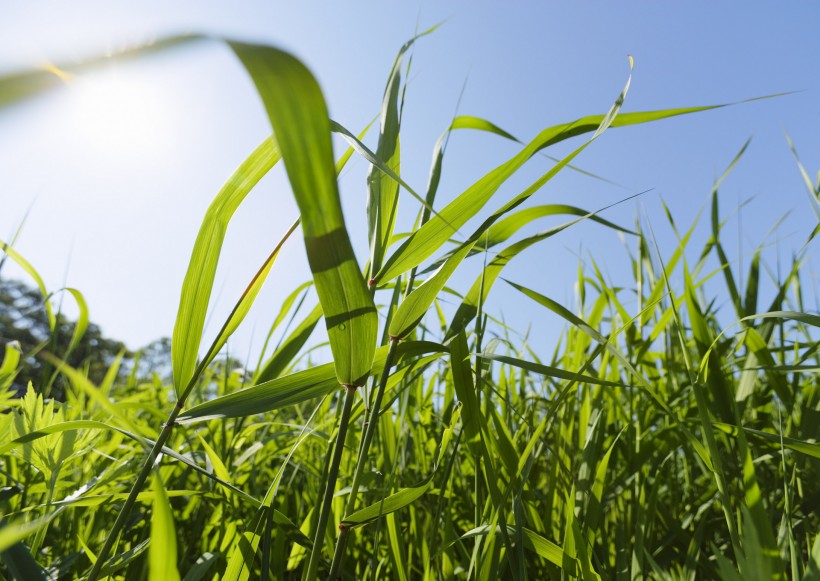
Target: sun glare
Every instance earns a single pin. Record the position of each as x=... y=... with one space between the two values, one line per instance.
x=114 y=114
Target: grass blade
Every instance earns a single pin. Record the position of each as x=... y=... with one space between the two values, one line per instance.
x=298 y=114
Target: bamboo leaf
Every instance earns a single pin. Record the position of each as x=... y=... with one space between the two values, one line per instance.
x=549 y=371
x=162 y=554
x=429 y=237
x=291 y=389
x=199 y=279
x=392 y=503
x=32 y=272
x=283 y=356
x=413 y=308
x=297 y=112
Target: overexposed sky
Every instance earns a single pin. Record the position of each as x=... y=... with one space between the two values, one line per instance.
x=118 y=167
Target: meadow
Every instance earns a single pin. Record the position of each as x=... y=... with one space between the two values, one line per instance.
x=672 y=434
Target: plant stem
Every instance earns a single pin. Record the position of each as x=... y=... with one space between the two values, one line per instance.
x=125 y=511
x=370 y=430
x=332 y=475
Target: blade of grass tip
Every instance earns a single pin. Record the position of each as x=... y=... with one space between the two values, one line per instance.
x=298 y=114
x=32 y=272
x=16 y=235
x=813 y=191
x=296 y=297
x=8 y=369
x=290 y=347
x=246 y=301
x=377 y=162
x=433 y=234
x=484 y=282
x=383 y=191
x=198 y=283
x=81 y=325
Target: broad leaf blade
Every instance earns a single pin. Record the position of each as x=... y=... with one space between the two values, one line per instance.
x=162 y=554
x=292 y=389
x=392 y=503
x=298 y=114
x=199 y=279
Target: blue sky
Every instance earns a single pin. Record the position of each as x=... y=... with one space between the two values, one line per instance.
x=119 y=167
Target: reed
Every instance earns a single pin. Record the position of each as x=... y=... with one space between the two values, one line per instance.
x=665 y=437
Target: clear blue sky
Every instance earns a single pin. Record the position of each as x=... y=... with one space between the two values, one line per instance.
x=117 y=193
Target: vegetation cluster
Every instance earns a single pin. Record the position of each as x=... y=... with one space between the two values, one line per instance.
x=672 y=434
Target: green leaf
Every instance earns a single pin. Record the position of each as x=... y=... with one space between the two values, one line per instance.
x=813 y=320
x=201 y=567
x=81 y=326
x=8 y=370
x=432 y=235
x=298 y=114
x=32 y=272
x=291 y=389
x=808 y=448
x=392 y=503
x=162 y=554
x=284 y=355
x=245 y=301
x=199 y=279
x=382 y=190
x=549 y=371
x=20 y=563
x=464 y=387
x=413 y=308
x=813 y=570
x=482 y=285
x=535 y=543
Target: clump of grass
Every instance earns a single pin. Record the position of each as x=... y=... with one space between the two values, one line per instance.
x=655 y=442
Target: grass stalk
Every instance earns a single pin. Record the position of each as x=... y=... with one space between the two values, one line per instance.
x=369 y=432
x=330 y=487
x=136 y=488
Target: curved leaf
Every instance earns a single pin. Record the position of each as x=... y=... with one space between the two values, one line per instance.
x=199 y=279
x=298 y=114
x=291 y=389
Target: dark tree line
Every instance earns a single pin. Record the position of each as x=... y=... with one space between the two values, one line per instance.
x=23 y=319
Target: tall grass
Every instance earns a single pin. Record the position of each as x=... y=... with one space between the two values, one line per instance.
x=654 y=442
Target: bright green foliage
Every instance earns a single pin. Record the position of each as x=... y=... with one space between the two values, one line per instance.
x=666 y=436
x=297 y=111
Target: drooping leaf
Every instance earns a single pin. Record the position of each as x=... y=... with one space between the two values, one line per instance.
x=298 y=114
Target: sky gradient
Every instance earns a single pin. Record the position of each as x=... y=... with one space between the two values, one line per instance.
x=118 y=167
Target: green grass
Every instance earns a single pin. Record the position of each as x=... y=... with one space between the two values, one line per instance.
x=662 y=438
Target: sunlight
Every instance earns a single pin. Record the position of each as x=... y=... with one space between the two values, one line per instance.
x=114 y=114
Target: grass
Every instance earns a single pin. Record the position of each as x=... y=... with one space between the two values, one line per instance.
x=655 y=442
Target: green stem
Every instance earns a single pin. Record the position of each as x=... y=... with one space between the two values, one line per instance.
x=370 y=430
x=125 y=511
x=332 y=475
